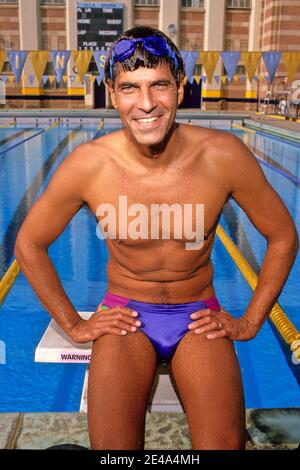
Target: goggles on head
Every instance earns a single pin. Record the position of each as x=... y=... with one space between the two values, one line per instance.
x=154 y=44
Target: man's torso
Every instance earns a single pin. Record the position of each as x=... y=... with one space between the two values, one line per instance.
x=160 y=270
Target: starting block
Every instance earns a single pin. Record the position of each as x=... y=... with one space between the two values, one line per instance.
x=56 y=346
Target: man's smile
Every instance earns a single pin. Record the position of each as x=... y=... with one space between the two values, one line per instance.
x=148 y=122
x=151 y=119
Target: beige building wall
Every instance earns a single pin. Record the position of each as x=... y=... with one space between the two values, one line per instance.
x=280 y=31
x=192 y=22
x=10 y=40
x=30 y=39
x=146 y=16
x=236 y=39
x=214 y=38
x=254 y=43
x=169 y=19
x=269 y=25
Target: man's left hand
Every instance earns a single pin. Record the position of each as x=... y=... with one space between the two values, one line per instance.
x=221 y=324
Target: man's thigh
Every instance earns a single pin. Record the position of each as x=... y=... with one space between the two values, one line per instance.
x=208 y=378
x=122 y=372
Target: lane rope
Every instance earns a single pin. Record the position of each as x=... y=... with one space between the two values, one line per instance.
x=7 y=125
x=285 y=327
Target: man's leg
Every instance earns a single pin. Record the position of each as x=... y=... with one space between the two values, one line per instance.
x=122 y=371
x=208 y=378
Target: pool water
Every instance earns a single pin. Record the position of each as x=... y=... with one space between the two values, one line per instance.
x=80 y=259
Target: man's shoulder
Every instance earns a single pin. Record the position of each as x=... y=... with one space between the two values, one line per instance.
x=95 y=152
x=206 y=134
x=108 y=140
x=212 y=142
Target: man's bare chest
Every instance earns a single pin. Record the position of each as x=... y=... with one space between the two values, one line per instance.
x=171 y=204
x=172 y=187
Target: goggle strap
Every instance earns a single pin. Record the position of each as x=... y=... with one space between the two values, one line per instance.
x=142 y=40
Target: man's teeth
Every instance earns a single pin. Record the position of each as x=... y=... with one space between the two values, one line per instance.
x=148 y=119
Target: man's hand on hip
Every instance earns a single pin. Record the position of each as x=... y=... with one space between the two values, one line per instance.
x=222 y=324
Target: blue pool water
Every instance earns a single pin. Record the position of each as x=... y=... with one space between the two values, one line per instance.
x=80 y=259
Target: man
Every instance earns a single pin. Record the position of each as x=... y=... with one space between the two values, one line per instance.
x=165 y=283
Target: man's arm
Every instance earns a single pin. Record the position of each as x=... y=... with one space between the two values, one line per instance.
x=46 y=220
x=267 y=212
x=248 y=186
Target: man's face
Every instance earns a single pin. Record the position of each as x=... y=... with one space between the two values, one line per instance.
x=147 y=101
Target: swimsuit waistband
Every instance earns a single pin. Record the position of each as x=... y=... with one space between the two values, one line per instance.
x=114 y=300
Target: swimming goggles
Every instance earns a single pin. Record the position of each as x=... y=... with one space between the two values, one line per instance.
x=154 y=44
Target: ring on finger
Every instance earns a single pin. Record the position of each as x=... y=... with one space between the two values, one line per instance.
x=220 y=325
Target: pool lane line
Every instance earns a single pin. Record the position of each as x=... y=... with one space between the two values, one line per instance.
x=276 y=135
x=56 y=123
x=15 y=136
x=292 y=178
x=12 y=272
x=268 y=161
x=7 y=244
x=99 y=128
x=238 y=233
x=261 y=155
x=283 y=324
x=8 y=124
x=264 y=159
x=280 y=138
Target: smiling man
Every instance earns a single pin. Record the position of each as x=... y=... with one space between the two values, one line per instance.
x=160 y=306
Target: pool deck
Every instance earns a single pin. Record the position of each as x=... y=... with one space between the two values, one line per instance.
x=266 y=429
x=285 y=129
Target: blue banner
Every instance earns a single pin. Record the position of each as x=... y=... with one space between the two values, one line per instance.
x=60 y=60
x=190 y=59
x=230 y=61
x=100 y=57
x=17 y=61
x=271 y=60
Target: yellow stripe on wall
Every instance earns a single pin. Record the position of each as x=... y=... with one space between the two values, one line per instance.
x=75 y=91
x=212 y=93
x=32 y=91
x=250 y=94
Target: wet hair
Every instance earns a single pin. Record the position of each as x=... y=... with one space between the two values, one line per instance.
x=142 y=58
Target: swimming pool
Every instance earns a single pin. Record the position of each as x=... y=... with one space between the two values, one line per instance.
x=28 y=158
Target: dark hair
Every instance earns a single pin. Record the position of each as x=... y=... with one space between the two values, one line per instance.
x=142 y=58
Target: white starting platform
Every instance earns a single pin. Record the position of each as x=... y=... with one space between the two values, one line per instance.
x=56 y=346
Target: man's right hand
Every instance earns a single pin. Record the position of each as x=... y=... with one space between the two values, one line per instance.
x=116 y=321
